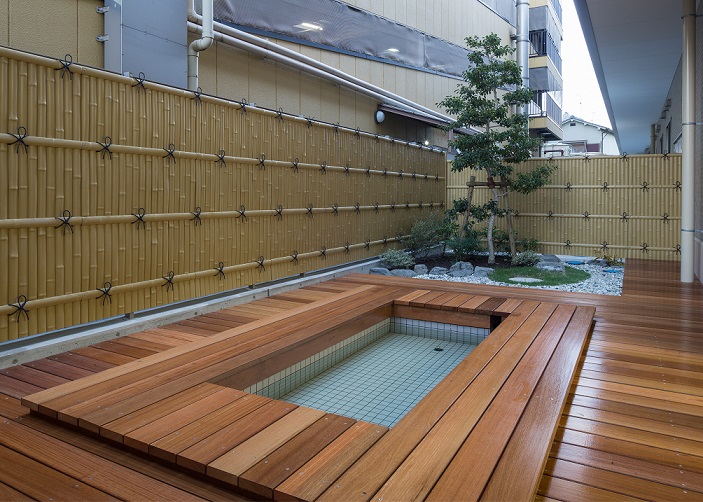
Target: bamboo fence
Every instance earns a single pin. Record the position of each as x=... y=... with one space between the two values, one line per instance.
x=119 y=194
x=625 y=206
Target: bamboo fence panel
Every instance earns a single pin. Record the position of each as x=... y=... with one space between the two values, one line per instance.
x=119 y=195
x=627 y=206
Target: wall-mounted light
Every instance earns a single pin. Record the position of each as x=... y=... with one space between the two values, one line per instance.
x=427 y=142
x=393 y=49
x=379 y=116
x=309 y=26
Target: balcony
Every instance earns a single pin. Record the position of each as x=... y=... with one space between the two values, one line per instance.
x=542 y=44
x=545 y=117
x=557 y=8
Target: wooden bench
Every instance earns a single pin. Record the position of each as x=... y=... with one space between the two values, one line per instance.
x=485 y=430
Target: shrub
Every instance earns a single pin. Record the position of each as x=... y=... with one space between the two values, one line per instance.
x=525 y=259
x=395 y=258
x=428 y=233
x=530 y=244
x=466 y=247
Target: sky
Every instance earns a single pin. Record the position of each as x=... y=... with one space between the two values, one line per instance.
x=581 y=96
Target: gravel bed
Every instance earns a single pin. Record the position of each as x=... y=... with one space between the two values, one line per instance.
x=600 y=282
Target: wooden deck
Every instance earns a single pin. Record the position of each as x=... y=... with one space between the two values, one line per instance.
x=632 y=426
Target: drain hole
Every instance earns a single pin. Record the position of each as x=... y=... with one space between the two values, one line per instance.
x=438 y=349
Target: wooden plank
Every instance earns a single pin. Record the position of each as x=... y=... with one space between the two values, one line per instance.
x=458 y=299
x=507 y=307
x=171 y=423
x=525 y=455
x=79 y=361
x=17 y=388
x=564 y=489
x=278 y=466
x=472 y=304
x=406 y=299
x=443 y=316
x=485 y=444
x=490 y=305
x=9 y=494
x=422 y=300
x=232 y=464
x=313 y=478
x=34 y=377
x=63 y=370
x=368 y=474
x=198 y=456
x=168 y=447
x=438 y=302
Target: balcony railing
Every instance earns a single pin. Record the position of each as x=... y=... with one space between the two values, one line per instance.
x=557 y=8
x=542 y=44
x=545 y=106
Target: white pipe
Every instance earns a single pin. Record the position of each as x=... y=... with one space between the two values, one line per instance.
x=201 y=44
x=306 y=63
x=523 y=44
x=688 y=108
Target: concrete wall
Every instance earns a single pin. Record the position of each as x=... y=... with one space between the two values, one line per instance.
x=54 y=28
x=671 y=115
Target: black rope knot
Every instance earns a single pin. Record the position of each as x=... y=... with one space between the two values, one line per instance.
x=357 y=208
x=323 y=167
x=294 y=256
x=335 y=210
x=392 y=206
x=385 y=240
x=336 y=128
x=567 y=244
x=605 y=187
x=139 y=215
x=65 y=220
x=346 y=169
x=567 y=187
x=586 y=158
x=367 y=244
x=376 y=138
x=665 y=218
x=550 y=214
x=604 y=245
x=665 y=155
x=368 y=171
x=66 y=63
x=385 y=172
x=414 y=175
x=243 y=105
x=261 y=267
x=196 y=95
x=375 y=207
x=436 y=177
x=427 y=177
x=677 y=249
x=311 y=121
x=625 y=156
x=625 y=217
x=20 y=308
x=407 y=205
x=262 y=162
x=196 y=216
x=169 y=152
x=357 y=132
x=221 y=158
x=431 y=205
x=220 y=270
x=280 y=113
x=309 y=213
x=586 y=215
x=139 y=82
x=295 y=165
x=105 y=147
x=279 y=212
x=400 y=174
x=19 y=139
x=242 y=212
x=677 y=186
x=346 y=247
x=169 y=281
x=323 y=252
x=645 y=248
x=105 y=292
x=645 y=186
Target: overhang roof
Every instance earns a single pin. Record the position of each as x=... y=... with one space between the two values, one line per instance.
x=635 y=46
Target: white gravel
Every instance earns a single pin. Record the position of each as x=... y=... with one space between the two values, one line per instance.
x=600 y=282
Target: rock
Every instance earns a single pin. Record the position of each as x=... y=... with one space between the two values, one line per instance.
x=482 y=271
x=462 y=266
x=439 y=271
x=550 y=263
x=549 y=258
x=401 y=272
x=525 y=280
x=379 y=271
x=421 y=269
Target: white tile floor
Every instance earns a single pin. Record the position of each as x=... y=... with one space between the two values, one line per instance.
x=382 y=381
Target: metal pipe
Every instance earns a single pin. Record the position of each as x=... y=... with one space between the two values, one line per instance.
x=305 y=63
x=202 y=44
x=523 y=44
x=688 y=128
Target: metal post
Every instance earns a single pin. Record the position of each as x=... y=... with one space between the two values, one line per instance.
x=688 y=132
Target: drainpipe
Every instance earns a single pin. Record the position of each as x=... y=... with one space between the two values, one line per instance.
x=200 y=45
x=523 y=45
x=247 y=41
x=653 y=139
x=688 y=132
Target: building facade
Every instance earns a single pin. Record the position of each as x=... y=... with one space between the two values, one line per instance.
x=581 y=138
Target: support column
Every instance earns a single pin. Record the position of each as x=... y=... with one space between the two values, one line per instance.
x=688 y=108
x=523 y=45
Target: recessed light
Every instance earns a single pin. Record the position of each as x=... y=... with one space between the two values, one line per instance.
x=393 y=49
x=309 y=26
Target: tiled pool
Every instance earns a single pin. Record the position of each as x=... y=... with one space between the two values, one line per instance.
x=377 y=375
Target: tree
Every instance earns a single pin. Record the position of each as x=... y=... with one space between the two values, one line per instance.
x=487 y=101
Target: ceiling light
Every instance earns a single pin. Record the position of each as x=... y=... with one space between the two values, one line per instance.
x=393 y=49
x=309 y=26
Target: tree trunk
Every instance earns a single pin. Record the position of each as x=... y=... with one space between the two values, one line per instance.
x=509 y=222
x=491 y=223
x=469 y=198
